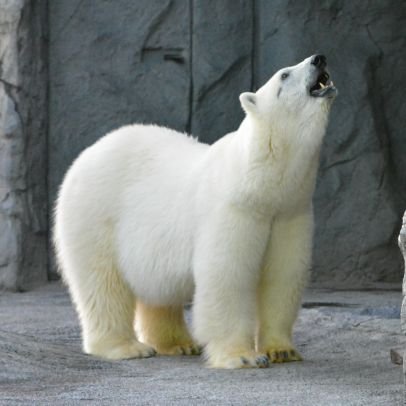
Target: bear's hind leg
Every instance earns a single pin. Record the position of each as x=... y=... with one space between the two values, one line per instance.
x=106 y=310
x=164 y=329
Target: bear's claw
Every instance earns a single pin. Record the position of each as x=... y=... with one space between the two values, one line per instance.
x=283 y=355
x=262 y=361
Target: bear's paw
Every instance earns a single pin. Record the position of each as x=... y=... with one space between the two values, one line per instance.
x=121 y=350
x=249 y=359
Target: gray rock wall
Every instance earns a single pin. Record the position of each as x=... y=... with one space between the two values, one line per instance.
x=103 y=76
x=113 y=63
x=183 y=63
x=402 y=246
x=222 y=54
x=23 y=128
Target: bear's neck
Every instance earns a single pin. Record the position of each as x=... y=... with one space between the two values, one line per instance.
x=283 y=146
x=280 y=161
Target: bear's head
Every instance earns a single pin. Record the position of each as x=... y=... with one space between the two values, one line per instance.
x=296 y=97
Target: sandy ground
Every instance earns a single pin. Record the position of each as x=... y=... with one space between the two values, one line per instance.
x=345 y=337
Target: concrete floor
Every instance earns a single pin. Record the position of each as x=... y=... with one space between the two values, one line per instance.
x=344 y=336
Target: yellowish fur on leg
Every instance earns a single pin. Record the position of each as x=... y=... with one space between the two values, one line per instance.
x=106 y=310
x=283 y=279
x=164 y=328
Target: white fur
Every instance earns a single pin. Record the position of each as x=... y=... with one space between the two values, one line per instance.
x=150 y=214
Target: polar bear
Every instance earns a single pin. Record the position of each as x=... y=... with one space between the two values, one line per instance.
x=148 y=219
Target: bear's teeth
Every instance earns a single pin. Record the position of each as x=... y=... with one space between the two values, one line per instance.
x=321 y=85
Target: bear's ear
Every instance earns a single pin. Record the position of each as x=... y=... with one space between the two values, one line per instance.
x=249 y=102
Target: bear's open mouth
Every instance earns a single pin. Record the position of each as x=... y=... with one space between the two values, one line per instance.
x=323 y=86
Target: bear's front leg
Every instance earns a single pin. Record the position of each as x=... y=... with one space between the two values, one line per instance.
x=227 y=264
x=284 y=276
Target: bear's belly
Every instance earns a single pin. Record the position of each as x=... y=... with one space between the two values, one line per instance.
x=160 y=285
x=154 y=250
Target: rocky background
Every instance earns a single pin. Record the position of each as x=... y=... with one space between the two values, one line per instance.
x=23 y=144
x=183 y=63
x=402 y=246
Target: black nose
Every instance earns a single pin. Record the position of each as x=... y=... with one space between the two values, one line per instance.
x=319 y=60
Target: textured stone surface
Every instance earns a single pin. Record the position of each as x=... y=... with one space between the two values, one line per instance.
x=344 y=336
x=402 y=246
x=182 y=63
x=104 y=75
x=23 y=194
x=114 y=63
x=361 y=192
x=221 y=65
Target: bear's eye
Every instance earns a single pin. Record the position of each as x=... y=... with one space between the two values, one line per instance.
x=284 y=75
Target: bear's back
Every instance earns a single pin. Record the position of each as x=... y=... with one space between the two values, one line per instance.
x=134 y=165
